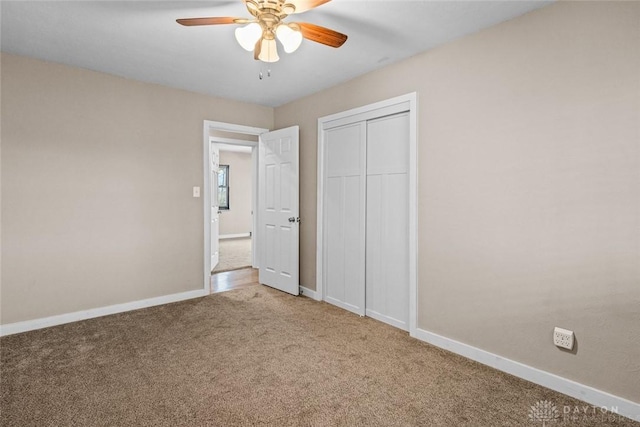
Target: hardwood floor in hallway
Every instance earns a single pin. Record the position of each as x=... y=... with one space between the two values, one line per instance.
x=236 y=279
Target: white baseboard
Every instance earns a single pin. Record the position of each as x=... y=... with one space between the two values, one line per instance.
x=309 y=293
x=45 y=322
x=579 y=391
x=387 y=319
x=234 y=236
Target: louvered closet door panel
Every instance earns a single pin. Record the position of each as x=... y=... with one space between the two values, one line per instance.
x=344 y=227
x=387 y=220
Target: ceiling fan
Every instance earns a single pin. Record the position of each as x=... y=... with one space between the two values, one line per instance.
x=268 y=24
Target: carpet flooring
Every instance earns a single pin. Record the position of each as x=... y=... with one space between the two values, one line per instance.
x=255 y=356
x=234 y=254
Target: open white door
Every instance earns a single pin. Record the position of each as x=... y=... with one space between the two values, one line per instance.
x=215 y=206
x=278 y=208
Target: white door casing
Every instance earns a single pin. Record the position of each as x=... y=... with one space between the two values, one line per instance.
x=215 y=208
x=210 y=126
x=278 y=209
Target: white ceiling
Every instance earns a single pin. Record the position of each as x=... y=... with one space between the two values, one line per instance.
x=141 y=40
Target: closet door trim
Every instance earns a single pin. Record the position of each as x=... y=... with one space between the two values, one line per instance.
x=404 y=103
x=363 y=116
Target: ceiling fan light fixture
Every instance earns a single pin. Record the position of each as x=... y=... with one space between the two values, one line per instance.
x=267 y=24
x=249 y=35
x=268 y=51
x=289 y=37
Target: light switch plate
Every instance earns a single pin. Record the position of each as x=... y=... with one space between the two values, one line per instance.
x=196 y=191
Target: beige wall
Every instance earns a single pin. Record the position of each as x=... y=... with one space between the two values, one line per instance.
x=529 y=186
x=238 y=219
x=97 y=177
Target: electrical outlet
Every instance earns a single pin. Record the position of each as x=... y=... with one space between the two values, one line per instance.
x=563 y=338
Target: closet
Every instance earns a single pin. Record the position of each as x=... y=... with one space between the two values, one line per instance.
x=366 y=214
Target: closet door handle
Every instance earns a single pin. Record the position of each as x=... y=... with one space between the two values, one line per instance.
x=292 y=219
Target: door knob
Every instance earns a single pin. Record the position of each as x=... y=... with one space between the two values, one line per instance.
x=292 y=219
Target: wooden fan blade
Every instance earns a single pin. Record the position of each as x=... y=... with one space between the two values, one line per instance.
x=189 y=22
x=304 y=5
x=322 y=35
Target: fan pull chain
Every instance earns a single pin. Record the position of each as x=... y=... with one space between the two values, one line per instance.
x=261 y=75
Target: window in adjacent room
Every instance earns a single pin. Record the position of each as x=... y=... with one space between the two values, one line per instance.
x=223 y=187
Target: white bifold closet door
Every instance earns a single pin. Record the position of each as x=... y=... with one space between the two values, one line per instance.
x=366 y=218
x=344 y=225
x=387 y=219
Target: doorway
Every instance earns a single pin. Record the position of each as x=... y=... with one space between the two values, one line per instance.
x=235 y=196
x=229 y=136
x=275 y=201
